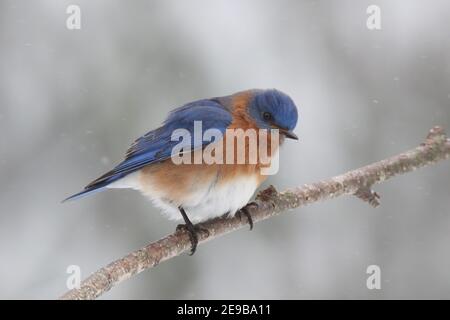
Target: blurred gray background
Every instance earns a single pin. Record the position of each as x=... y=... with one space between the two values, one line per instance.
x=71 y=101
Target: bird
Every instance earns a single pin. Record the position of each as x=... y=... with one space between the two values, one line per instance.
x=196 y=192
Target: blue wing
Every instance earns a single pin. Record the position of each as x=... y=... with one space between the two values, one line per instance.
x=156 y=145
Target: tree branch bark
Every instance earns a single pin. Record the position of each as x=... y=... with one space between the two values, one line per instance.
x=269 y=203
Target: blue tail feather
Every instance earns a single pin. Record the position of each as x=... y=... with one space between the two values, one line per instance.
x=84 y=193
x=95 y=187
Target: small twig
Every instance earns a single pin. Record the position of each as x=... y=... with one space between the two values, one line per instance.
x=268 y=203
x=368 y=195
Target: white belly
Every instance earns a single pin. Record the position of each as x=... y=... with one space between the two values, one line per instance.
x=224 y=198
x=208 y=201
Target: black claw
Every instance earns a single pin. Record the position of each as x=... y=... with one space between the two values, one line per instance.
x=193 y=235
x=192 y=231
x=194 y=240
x=245 y=211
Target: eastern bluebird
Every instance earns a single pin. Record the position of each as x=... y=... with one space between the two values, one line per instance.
x=197 y=192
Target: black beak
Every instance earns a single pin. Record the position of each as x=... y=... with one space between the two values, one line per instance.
x=289 y=134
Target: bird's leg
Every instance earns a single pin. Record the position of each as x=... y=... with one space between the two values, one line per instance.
x=247 y=214
x=191 y=229
x=226 y=215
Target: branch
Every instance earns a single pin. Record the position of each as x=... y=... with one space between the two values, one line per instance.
x=268 y=203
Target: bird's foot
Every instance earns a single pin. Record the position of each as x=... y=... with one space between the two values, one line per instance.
x=192 y=231
x=245 y=211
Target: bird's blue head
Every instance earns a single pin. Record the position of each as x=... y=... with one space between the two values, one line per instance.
x=273 y=109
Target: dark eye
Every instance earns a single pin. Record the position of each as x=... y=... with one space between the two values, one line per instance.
x=267 y=116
